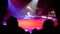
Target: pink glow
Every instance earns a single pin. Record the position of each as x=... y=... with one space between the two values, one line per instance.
x=32 y=23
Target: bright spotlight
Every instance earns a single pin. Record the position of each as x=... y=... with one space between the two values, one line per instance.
x=28 y=13
x=43 y=16
x=28 y=7
x=26 y=30
x=4 y=23
x=53 y=12
x=38 y=28
x=32 y=6
x=49 y=17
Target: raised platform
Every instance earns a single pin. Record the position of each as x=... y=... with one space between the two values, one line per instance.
x=29 y=24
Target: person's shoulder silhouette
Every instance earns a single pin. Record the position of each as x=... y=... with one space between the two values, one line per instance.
x=12 y=25
x=48 y=27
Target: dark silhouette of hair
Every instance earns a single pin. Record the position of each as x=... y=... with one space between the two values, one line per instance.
x=35 y=31
x=12 y=21
x=12 y=26
x=3 y=10
x=48 y=27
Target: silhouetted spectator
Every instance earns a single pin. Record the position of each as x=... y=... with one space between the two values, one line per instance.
x=27 y=32
x=2 y=28
x=56 y=6
x=48 y=27
x=12 y=26
x=3 y=10
x=35 y=31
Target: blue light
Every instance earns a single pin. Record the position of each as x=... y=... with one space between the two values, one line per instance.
x=26 y=16
x=54 y=19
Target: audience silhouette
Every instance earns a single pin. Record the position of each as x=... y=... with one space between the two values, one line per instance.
x=56 y=7
x=12 y=26
x=3 y=10
x=35 y=31
x=48 y=27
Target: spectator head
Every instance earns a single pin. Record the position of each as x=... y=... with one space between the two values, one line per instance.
x=12 y=21
x=48 y=25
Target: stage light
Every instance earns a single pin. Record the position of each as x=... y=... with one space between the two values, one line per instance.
x=28 y=7
x=43 y=16
x=52 y=11
x=32 y=6
x=25 y=17
x=5 y=24
x=28 y=13
x=54 y=19
x=31 y=9
x=38 y=28
x=26 y=30
x=49 y=17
